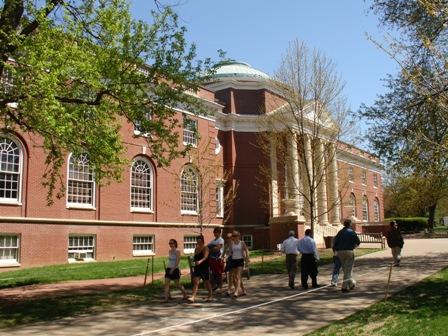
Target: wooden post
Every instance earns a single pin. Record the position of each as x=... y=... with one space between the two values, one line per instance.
x=262 y=261
x=146 y=272
x=152 y=269
x=388 y=282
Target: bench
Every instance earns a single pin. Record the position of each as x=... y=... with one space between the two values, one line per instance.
x=377 y=238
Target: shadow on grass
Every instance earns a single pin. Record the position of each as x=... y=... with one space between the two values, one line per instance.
x=421 y=309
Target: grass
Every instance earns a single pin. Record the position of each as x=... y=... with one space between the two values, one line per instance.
x=81 y=271
x=421 y=309
x=13 y=313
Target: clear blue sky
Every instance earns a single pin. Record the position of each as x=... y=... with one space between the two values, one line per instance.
x=258 y=32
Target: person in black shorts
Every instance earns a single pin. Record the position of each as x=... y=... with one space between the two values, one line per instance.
x=201 y=270
x=172 y=272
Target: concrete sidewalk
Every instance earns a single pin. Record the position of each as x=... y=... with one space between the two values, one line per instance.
x=270 y=307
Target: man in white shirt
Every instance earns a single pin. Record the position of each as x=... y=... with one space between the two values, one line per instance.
x=215 y=259
x=290 y=248
x=308 y=263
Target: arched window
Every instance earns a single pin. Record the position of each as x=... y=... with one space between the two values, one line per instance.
x=11 y=158
x=365 y=209
x=352 y=204
x=142 y=185
x=81 y=182
x=189 y=186
x=376 y=210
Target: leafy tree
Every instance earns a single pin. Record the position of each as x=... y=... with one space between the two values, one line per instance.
x=409 y=124
x=72 y=71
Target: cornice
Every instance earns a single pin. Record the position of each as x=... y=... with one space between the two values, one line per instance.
x=64 y=221
x=358 y=160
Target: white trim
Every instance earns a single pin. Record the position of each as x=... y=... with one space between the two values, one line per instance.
x=91 y=206
x=80 y=206
x=92 y=222
x=9 y=263
x=18 y=200
x=151 y=167
x=188 y=212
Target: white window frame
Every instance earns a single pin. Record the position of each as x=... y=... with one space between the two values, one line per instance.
x=7 y=80
x=376 y=210
x=375 y=180
x=81 y=250
x=137 y=130
x=190 y=135
x=185 y=208
x=143 y=252
x=17 y=200
x=352 y=204
x=364 y=177
x=248 y=239
x=8 y=262
x=365 y=209
x=191 y=242
x=218 y=146
x=151 y=188
x=351 y=174
x=220 y=199
x=93 y=186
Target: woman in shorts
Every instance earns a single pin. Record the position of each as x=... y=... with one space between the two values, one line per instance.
x=172 y=272
x=201 y=269
x=239 y=254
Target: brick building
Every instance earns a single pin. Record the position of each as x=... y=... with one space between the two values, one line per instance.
x=136 y=217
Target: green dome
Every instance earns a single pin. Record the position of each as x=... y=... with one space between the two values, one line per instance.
x=235 y=69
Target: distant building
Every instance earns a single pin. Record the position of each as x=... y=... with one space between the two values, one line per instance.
x=136 y=217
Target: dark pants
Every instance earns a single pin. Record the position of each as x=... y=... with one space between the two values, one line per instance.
x=308 y=267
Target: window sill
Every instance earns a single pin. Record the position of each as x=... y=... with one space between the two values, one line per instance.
x=220 y=216
x=85 y=260
x=81 y=207
x=142 y=210
x=9 y=264
x=190 y=144
x=147 y=253
x=7 y=202
x=188 y=213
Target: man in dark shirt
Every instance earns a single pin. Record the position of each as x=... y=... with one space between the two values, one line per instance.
x=395 y=242
x=343 y=244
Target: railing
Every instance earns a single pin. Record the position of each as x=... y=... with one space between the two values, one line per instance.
x=372 y=238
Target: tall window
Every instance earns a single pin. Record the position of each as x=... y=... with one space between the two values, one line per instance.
x=376 y=210
x=219 y=199
x=375 y=180
x=9 y=249
x=365 y=209
x=81 y=247
x=190 y=136
x=364 y=177
x=81 y=182
x=189 y=186
x=7 y=81
x=352 y=205
x=141 y=185
x=142 y=245
x=10 y=170
x=351 y=176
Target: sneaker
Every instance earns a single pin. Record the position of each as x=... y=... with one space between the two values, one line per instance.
x=333 y=284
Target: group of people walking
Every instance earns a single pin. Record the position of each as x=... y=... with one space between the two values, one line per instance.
x=218 y=257
x=344 y=244
x=211 y=261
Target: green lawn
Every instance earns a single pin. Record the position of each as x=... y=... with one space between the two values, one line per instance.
x=421 y=309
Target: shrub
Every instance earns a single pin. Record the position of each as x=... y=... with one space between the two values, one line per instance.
x=410 y=224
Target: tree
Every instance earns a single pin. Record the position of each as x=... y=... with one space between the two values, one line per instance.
x=305 y=128
x=72 y=71
x=409 y=124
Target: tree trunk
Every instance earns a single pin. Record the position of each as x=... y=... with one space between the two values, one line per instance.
x=432 y=213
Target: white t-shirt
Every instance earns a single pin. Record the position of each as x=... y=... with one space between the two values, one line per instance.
x=215 y=242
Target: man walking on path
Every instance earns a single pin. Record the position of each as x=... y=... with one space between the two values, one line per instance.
x=290 y=248
x=215 y=259
x=395 y=242
x=344 y=243
x=310 y=256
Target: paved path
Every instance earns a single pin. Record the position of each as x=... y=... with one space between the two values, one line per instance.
x=270 y=308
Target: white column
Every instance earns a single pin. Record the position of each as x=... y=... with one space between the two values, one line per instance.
x=274 y=178
x=334 y=186
x=322 y=183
